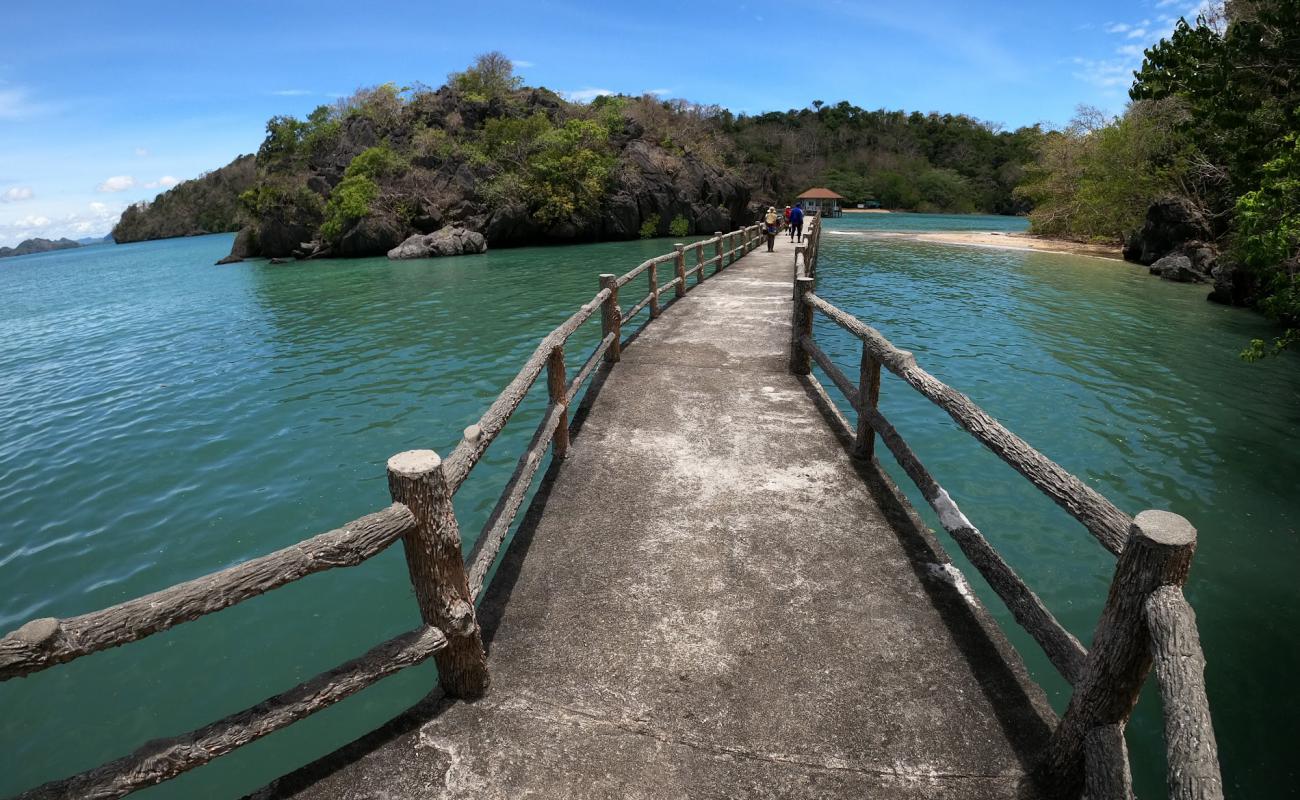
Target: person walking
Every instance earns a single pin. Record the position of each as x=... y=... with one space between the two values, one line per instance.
x=771 y=224
x=796 y=223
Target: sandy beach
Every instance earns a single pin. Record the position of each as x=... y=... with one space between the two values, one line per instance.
x=1004 y=241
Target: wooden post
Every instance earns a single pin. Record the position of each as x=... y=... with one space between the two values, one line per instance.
x=699 y=263
x=557 y=386
x=654 y=290
x=1192 y=754
x=864 y=443
x=801 y=325
x=717 y=252
x=679 y=263
x=611 y=318
x=434 y=561
x=800 y=255
x=1158 y=553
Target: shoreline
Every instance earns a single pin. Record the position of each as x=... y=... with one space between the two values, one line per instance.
x=997 y=240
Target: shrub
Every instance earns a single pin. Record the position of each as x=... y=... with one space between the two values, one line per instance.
x=679 y=226
x=650 y=227
x=376 y=162
x=350 y=202
x=492 y=76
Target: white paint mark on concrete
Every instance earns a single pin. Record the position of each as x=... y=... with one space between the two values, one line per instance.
x=949 y=514
x=952 y=576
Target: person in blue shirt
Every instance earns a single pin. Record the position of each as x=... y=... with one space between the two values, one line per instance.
x=796 y=222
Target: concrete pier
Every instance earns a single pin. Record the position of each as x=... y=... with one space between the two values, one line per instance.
x=712 y=599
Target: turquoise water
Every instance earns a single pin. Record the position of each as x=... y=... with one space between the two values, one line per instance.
x=1134 y=385
x=161 y=418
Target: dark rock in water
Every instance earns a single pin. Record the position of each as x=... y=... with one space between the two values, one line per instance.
x=1234 y=285
x=448 y=241
x=278 y=238
x=245 y=246
x=1203 y=255
x=512 y=222
x=278 y=261
x=1171 y=222
x=371 y=236
x=1177 y=267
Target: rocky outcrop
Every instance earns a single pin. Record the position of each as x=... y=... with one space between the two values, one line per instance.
x=245 y=246
x=1190 y=262
x=1171 y=222
x=448 y=241
x=371 y=236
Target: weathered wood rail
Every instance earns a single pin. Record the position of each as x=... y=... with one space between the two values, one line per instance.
x=421 y=485
x=1145 y=619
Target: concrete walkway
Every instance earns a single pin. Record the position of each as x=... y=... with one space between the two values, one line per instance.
x=710 y=599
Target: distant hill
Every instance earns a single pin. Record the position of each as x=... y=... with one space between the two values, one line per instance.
x=89 y=240
x=37 y=246
x=207 y=204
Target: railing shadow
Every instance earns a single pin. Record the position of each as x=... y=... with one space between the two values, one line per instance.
x=1026 y=721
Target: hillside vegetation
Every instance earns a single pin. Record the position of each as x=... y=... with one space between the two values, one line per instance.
x=523 y=165
x=208 y=204
x=1201 y=175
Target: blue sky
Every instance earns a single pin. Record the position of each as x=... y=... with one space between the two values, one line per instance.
x=104 y=104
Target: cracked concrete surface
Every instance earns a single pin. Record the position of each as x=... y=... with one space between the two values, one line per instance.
x=710 y=599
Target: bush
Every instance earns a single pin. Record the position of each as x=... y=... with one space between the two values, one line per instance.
x=376 y=162
x=492 y=76
x=679 y=226
x=650 y=227
x=350 y=202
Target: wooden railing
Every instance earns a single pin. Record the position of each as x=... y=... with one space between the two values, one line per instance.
x=421 y=485
x=1145 y=616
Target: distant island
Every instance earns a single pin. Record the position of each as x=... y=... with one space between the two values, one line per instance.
x=38 y=245
x=486 y=157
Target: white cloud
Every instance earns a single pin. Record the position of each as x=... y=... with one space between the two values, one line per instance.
x=1104 y=73
x=165 y=182
x=96 y=221
x=16 y=194
x=1166 y=3
x=1117 y=27
x=14 y=104
x=292 y=92
x=1130 y=50
x=1137 y=33
x=117 y=183
x=519 y=63
x=659 y=92
x=142 y=152
x=586 y=95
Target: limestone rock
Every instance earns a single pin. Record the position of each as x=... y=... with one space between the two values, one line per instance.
x=1170 y=223
x=370 y=236
x=446 y=241
x=1176 y=267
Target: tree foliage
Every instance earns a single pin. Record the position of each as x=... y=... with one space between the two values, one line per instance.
x=1095 y=178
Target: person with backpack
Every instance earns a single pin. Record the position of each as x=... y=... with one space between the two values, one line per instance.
x=771 y=224
x=796 y=223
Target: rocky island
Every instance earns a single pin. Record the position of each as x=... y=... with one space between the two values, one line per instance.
x=37 y=246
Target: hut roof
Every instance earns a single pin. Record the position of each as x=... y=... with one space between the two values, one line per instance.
x=820 y=194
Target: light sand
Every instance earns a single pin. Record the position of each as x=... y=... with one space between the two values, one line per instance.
x=1004 y=241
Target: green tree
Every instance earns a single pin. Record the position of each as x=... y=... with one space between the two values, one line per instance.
x=492 y=76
